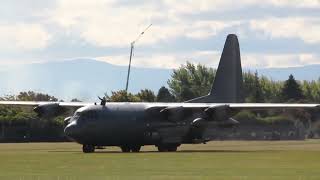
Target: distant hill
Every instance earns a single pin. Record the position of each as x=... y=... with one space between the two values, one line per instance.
x=310 y=72
x=86 y=79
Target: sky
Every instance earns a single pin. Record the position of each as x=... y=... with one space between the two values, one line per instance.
x=272 y=33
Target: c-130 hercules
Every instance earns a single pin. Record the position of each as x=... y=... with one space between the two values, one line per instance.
x=165 y=125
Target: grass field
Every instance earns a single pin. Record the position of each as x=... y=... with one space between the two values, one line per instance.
x=216 y=160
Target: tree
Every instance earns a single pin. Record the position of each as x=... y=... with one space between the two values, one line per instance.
x=75 y=100
x=271 y=89
x=291 y=90
x=190 y=81
x=311 y=91
x=258 y=94
x=255 y=87
x=33 y=96
x=121 y=96
x=164 y=95
x=248 y=86
x=146 y=95
x=8 y=98
x=307 y=91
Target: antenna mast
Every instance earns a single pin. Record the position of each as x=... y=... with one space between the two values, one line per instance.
x=131 y=54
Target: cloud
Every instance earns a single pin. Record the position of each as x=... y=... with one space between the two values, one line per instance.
x=152 y=61
x=254 y=60
x=296 y=3
x=168 y=61
x=192 y=6
x=306 y=29
x=102 y=24
x=64 y=29
x=108 y=23
x=23 y=37
x=211 y=59
x=205 y=29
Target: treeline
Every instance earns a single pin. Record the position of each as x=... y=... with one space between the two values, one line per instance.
x=187 y=82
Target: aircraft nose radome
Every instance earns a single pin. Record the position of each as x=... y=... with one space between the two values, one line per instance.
x=71 y=130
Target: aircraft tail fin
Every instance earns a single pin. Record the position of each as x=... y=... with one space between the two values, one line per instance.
x=228 y=84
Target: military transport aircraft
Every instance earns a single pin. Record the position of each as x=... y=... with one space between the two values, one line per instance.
x=165 y=125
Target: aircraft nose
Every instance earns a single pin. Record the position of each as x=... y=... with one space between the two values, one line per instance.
x=71 y=130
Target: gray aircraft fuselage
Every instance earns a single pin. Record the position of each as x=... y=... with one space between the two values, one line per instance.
x=114 y=125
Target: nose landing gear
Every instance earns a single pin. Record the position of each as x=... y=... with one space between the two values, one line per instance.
x=88 y=148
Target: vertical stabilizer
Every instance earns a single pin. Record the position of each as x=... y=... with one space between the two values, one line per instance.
x=228 y=84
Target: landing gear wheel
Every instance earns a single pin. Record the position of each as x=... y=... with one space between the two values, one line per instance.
x=88 y=148
x=162 y=149
x=167 y=147
x=172 y=148
x=125 y=149
x=135 y=148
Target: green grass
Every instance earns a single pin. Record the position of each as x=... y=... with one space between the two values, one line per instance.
x=241 y=160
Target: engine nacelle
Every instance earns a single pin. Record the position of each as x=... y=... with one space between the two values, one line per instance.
x=174 y=114
x=221 y=116
x=49 y=110
x=228 y=123
x=199 y=123
x=197 y=129
x=218 y=113
x=66 y=120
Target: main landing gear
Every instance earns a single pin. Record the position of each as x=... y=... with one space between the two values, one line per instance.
x=88 y=148
x=134 y=148
x=168 y=147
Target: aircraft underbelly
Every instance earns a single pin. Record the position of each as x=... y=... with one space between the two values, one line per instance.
x=116 y=132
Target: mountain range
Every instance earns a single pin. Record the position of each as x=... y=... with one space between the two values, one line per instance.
x=86 y=79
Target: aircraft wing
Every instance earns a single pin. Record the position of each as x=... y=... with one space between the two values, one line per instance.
x=178 y=111
x=47 y=109
x=235 y=106
x=41 y=103
x=161 y=106
x=204 y=115
x=267 y=106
